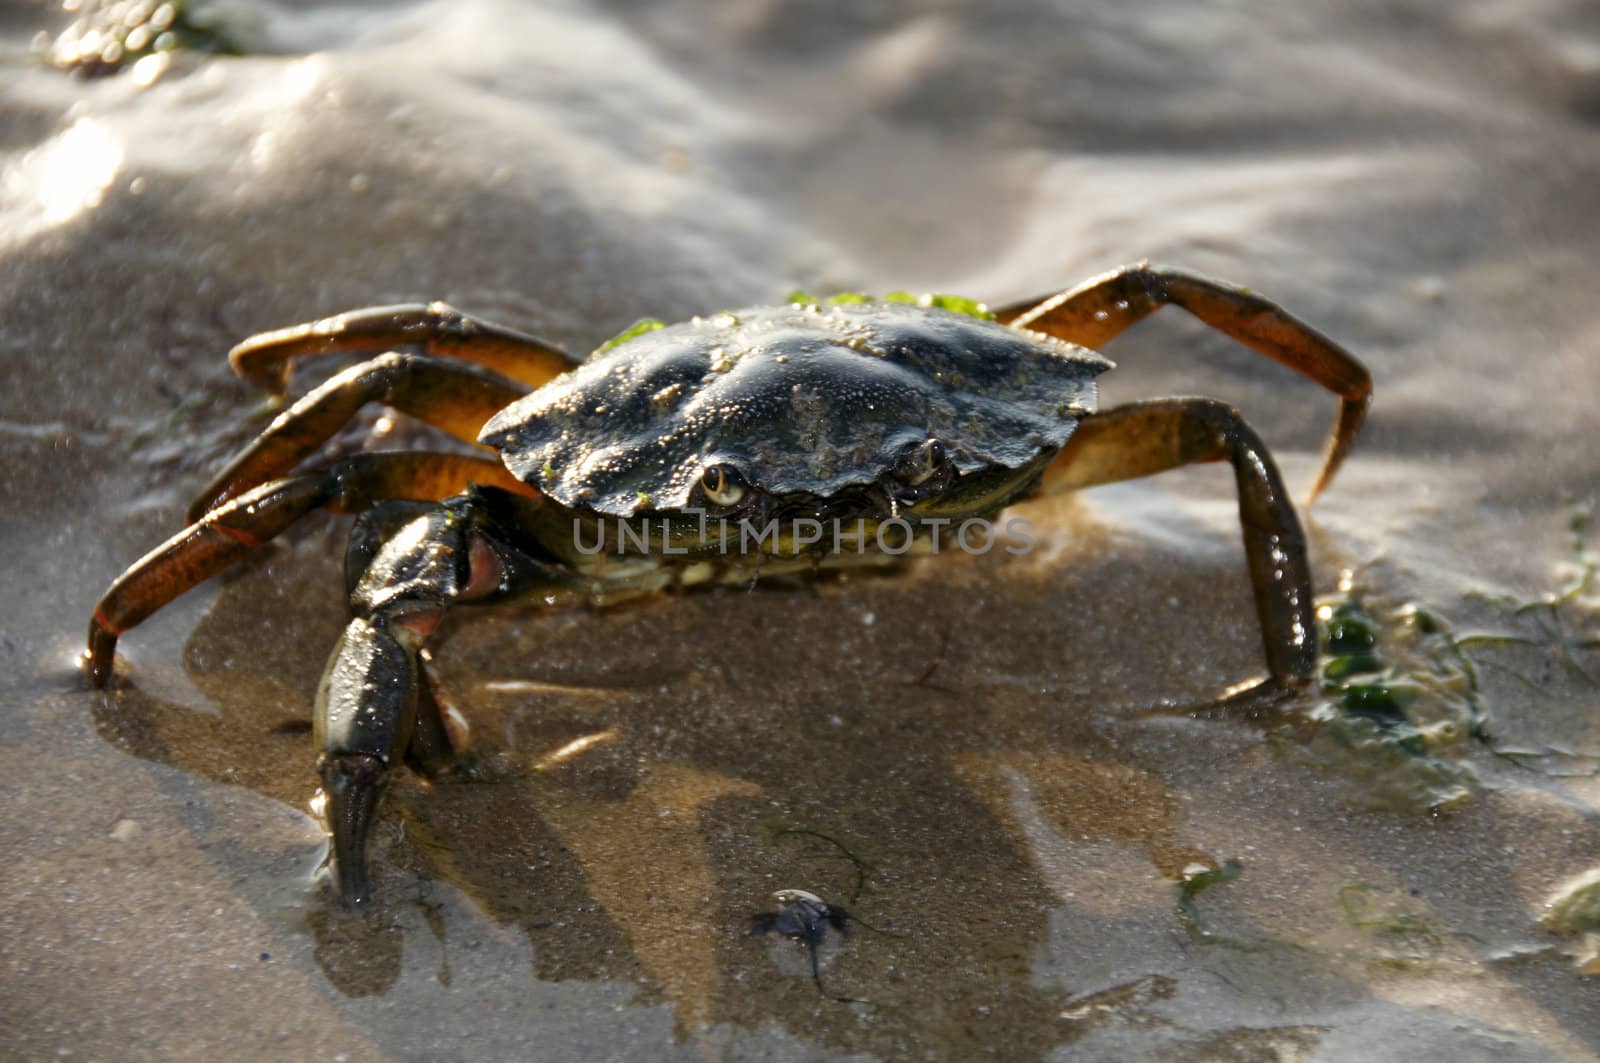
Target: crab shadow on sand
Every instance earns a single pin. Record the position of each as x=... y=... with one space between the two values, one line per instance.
x=952 y=751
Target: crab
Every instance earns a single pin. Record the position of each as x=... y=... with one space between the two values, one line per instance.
x=868 y=413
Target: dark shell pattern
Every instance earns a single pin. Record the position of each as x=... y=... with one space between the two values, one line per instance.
x=801 y=399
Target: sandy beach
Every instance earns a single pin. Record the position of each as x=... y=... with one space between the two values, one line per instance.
x=975 y=755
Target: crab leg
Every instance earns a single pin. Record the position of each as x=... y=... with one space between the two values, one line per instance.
x=378 y=698
x=437 y=328
x=431 y=749
x=455 y=397
x=228 y=532
x=1099 y=309
x=1142 y=439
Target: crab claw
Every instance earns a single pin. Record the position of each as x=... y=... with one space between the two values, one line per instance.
x=366 y=711
x=353 y=785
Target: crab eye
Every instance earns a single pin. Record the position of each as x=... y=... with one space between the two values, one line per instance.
x=722 y=485
x=920 y=463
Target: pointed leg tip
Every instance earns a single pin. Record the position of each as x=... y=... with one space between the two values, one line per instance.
x=1258 y=699
x=355 y=893
x=95 y=673
x=1330 y=466
x=248 y=364
x=354 y=785
x=99 y=655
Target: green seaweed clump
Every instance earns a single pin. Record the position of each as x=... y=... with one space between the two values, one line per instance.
x=638 y=328
x=1199 y=877
x=1399 y=704
x=955 y=304
x=1396 y=918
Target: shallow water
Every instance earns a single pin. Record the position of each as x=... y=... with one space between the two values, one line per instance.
x=960 y=753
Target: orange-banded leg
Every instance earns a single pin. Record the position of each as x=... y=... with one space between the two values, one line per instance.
x=1099 y=309
x=436 y=328
x=1142 y=439
x=452 y=396
x=227 y=533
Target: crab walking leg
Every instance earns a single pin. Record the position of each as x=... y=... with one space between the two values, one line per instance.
x=453 y=396
x=228 y=532
x=1142 y=439
x=437 y=328
x=1099 y=309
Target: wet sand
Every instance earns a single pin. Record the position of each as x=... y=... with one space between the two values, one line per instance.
x=961 y=753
